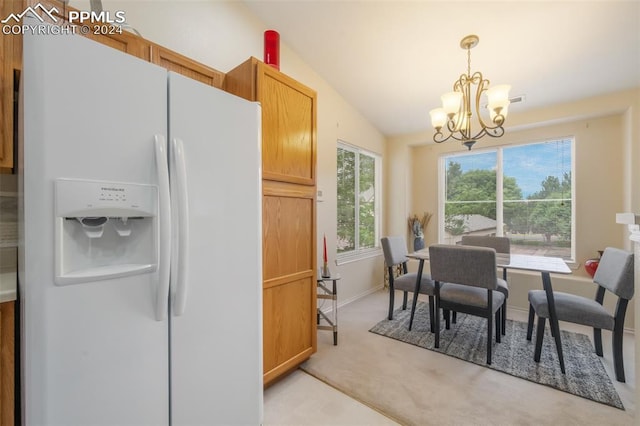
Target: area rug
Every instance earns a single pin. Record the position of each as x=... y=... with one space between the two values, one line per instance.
x=585 y=375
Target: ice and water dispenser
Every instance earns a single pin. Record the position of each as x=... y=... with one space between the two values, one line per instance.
x=104 y=230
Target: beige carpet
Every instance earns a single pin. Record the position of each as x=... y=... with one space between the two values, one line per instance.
x=585 y=375
x=415 y=386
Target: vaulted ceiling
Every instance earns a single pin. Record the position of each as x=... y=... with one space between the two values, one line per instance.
x=392 y=60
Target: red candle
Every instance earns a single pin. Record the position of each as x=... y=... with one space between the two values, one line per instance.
x=325 y=250
x=272 y=48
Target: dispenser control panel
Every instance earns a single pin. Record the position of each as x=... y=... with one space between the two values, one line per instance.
x=113 y=193
x=96 y=198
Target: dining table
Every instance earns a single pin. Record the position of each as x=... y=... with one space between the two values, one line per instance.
x=546 y=265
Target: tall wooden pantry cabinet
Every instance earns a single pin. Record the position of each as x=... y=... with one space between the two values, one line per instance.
x=288 y=212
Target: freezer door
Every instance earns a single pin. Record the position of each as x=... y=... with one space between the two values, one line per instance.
x=216 y=331
x=92 y=352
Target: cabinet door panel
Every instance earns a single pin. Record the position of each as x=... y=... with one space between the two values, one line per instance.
x=289 y=332
x=7 y=366
x=288 y=128
x=6 y=102
x=188 y=67
x=289 y=304
x=10 y=56
x=287 y=232
x=125 y=42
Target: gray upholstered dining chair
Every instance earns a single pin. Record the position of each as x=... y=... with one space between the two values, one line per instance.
x=615 y=274
x=501 y=245
x=395 y=253
x=470 y=285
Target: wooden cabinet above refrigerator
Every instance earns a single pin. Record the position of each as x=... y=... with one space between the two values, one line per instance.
x=123 y=40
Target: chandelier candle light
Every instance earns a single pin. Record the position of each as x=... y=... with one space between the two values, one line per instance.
x=456 y=111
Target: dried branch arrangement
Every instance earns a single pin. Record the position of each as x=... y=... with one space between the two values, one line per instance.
x=418 y=225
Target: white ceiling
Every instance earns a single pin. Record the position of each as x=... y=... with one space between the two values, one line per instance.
x=393 y=59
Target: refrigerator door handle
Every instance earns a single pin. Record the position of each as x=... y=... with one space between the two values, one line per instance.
x=164 y=243
x=181 y=200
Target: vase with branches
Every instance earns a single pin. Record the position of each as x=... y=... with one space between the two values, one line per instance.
x=417 y=225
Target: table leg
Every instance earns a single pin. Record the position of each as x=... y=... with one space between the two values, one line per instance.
x=328 y=293
x=553 y=318
x=416 y=292
x=335 y=313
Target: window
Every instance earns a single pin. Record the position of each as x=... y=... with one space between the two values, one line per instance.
x=523 y=192
x=358 y=200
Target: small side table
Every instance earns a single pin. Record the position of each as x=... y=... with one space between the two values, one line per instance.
x=331 y=294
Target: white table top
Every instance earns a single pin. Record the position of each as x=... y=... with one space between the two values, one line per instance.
x=333 y=277
x=420 y=254
x=527 y=262
x=516 y=261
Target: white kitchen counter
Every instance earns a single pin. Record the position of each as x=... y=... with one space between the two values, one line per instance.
x=8 y=282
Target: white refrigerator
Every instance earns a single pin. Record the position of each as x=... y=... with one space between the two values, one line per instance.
x=140 y=243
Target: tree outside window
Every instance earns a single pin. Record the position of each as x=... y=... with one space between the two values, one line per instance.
x=358 y=199
x=523 y=192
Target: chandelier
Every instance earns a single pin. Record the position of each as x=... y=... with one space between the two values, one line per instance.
x=456 y=112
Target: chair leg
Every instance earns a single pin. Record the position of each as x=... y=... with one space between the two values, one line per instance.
x=597 y=340
x=416 y=292
x=489 y=338
x=432 y=308
x=504 y=305
x=391 y=294
x=447 y=319
x=530 y=322
x=618 y=361
x=539 y=337
x=504 y=317
x=454 y=317
x=498 y=326
x=437 y=326
x=404 y=300
x=556 y=335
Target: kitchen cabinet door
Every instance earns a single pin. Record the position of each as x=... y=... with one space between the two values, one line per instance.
x=111 y=36
x=188 y=67
x=10 y=54
x=7 y=363
x=289 y=274
x=289 y=127
x=126 y=42
x=288 y=120
x=6 y=103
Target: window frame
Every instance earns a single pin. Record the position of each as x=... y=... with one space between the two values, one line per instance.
x=499 y=150
x=362 y=253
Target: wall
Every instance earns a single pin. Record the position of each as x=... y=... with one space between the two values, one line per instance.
x=606 y=177
x=222 y=34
